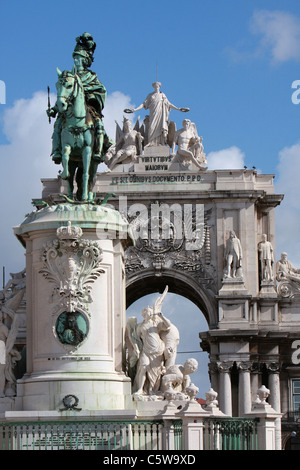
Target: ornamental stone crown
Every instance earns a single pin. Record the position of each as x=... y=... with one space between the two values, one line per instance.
x=69 y=232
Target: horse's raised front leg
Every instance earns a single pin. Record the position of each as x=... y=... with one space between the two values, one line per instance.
x=65 y=162
x=86 y=161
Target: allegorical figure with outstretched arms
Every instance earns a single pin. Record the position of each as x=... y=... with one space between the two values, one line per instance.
x=159 y=109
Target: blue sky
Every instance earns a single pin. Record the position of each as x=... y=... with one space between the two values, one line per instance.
x=232 y=62
x=213 y=56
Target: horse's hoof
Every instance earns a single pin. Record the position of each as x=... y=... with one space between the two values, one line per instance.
x=64 y=175
x=56 y=158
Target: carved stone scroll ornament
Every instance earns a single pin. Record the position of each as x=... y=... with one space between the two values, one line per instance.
x=71 y=264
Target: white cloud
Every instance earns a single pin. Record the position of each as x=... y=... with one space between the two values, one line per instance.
x=288 y=213
x=114 y=111
x=231 y=158
x=280 y=34
x=23 y=162
x=279 y=38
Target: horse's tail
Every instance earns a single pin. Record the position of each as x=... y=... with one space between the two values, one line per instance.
x=106 y=198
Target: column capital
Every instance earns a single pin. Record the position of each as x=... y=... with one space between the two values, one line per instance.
x=244 y=366
x=274 y=367
x=213 y=367
x=224 y=366
x=257 y=367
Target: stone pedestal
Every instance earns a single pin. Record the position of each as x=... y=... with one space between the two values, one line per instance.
x=233 y=286
x=76 y=309
x=267 y=289
x=266 y=427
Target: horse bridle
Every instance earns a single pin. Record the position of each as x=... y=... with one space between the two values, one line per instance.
x=63 y=81
x=74 y=129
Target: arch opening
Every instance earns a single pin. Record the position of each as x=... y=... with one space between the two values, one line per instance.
x=185 y=286
x=188 y=319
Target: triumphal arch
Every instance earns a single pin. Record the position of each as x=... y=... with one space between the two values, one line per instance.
x=208 y=236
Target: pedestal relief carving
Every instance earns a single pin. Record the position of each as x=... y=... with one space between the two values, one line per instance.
x=72 y=264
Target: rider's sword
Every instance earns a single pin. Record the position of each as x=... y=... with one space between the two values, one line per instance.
x=49 y=107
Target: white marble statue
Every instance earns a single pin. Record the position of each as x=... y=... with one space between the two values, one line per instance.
x=233 y=256
x=285 y=270
x=150 y=358
x=159 y=109
x=288 y=278
x=152 y=346
x=9 y=355
x=266 y=259
x=16 y=282
x=128 y=146
x=189 y=145
x=177 y=377
x=4 y=331
x=170 y=338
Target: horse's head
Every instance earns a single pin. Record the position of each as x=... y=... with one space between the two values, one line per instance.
x=67 y=87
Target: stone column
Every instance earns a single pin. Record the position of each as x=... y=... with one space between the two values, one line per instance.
x=274 y=386
x=244 y=387
x=225 y=392
x=255 y=379
x=213 y=375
